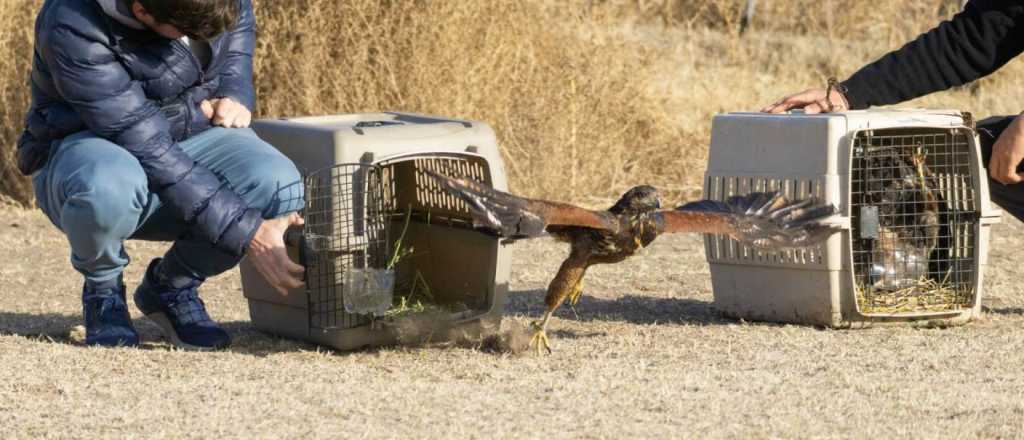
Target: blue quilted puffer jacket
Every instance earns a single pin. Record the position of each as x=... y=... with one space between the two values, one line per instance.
x=141 y=91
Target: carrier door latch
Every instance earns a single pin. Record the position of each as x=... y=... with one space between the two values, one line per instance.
x=968 y=120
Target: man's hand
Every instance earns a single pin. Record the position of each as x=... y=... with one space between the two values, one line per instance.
x=268 y=254
x=1007 y=153
x=226 y=112
x=811 y=100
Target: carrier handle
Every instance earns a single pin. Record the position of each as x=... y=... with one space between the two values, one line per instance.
x=358 y=128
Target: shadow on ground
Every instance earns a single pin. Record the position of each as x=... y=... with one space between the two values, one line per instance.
x=68 y=330
x=61 y=329
x=1008 y=311
x=636 y=309
x=642 y=309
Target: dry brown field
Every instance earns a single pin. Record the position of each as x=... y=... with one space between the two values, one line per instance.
x=618 y=95
x=644 y=355
x=632 y=82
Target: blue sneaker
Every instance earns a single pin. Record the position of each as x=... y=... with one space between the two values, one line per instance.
x=107 y=322
x=179 y=313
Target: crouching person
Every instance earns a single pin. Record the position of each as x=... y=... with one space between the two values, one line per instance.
x=138 y=129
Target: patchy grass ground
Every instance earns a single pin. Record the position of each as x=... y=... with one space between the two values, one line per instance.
x=647 y=356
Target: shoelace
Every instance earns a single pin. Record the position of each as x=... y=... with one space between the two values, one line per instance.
x=110 y=305
x=110 y=308
x=188 y=308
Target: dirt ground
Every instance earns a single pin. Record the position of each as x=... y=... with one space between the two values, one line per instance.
x=646 y=356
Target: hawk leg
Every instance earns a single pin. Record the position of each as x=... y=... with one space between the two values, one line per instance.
x=576 y=293
x=568 y=282
x=540 y=337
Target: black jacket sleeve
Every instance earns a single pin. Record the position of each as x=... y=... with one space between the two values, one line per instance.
x=976 y=42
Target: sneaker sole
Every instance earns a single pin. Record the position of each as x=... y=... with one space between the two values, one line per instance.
x=160 y=319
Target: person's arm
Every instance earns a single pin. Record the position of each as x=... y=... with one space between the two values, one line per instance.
x=112 y=105
x=1007 y=154
x=976 y=42
x=235 y=99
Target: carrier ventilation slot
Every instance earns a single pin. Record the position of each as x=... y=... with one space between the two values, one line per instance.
x=721 y=248
x=423 y=196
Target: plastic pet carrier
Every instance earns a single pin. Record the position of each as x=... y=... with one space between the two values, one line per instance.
x=913 y=202
x=381 y=240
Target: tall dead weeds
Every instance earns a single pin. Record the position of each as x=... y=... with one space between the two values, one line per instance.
x=570 y=96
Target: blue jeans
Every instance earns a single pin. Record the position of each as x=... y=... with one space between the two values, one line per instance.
x=97 y=194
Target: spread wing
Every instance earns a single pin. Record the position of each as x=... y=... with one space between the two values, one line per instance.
x=766 y=220
x=515 y=217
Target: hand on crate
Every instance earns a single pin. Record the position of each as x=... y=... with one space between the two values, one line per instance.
x=268 y=254
x=812 y=101
x=226 y=112
x=1007 y=154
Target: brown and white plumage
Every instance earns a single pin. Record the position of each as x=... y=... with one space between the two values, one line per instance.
x=765 y=220
x=910 y=227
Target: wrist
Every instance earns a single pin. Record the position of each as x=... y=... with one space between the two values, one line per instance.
x=848 y=90
x=245 y=231
x=233 y=96
x=1017 y=125
x=843 y=103
x=834 y=95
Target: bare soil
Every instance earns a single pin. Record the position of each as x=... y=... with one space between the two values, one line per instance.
x=643 y=354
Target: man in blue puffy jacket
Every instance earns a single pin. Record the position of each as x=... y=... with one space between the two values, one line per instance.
x=138 y=130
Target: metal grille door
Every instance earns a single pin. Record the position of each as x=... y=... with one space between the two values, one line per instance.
x=915 y=219
x=345 y=230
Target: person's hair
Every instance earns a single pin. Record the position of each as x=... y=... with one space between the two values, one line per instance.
x=197 y=19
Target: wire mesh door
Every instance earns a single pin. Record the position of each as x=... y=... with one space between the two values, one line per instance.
x=346 y=234
x=915 y=220
x=352 y=210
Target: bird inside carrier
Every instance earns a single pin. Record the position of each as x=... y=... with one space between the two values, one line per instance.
x=914 y=223
x=913 y=201
x=381 y=240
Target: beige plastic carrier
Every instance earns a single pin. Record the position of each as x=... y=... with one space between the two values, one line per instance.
x=384 y=155
x=875 y=270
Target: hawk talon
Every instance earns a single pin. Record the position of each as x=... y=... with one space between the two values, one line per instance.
x=540 y=338
x=576 y=293
x=918 y=158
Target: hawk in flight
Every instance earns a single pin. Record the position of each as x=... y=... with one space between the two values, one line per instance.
x=764 y=220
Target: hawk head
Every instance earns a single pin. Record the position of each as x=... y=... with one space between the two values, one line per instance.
x=643 y=198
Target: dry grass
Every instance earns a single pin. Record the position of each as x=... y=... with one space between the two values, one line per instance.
x=584 y=104
x=625 y=99
x=16 y=17
x=647 y=357
x=833 y=18
x=558 y=92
